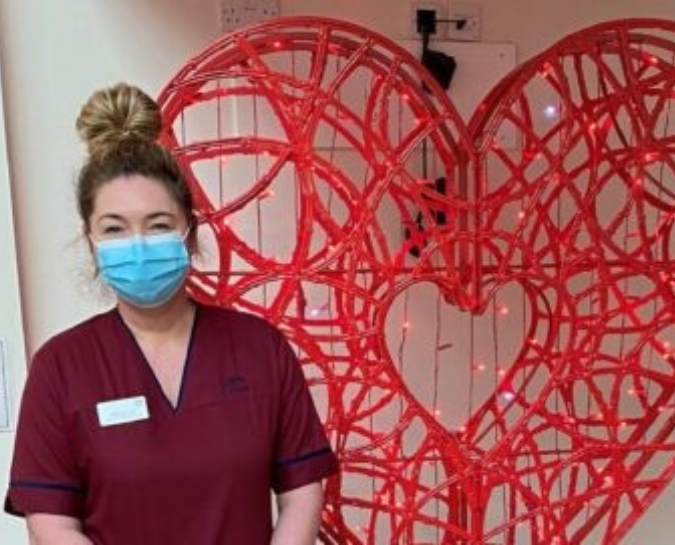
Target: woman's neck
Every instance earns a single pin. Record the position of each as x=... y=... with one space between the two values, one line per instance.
x=168 y=320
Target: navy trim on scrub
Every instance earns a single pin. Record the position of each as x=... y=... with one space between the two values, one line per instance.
x=51 y=486
x=304 y=457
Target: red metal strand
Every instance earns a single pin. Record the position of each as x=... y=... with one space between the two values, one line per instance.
x=315 y=148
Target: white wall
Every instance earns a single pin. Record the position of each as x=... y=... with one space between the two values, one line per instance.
x=54 y=54
x=11 y=330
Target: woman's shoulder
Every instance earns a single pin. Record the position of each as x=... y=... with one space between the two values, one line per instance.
x=236 y=319
x=76 y=334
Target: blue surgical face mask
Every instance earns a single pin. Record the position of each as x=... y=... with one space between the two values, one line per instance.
x=145 y=271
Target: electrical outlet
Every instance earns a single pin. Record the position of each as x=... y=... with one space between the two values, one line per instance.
x=465 y=22
x=441 y=10
x=235 y=14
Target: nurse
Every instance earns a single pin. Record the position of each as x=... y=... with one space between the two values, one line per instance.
x=161 y=421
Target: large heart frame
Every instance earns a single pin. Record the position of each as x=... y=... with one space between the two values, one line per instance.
x=340 y=130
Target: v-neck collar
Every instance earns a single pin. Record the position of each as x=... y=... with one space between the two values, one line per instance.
x=157 y=386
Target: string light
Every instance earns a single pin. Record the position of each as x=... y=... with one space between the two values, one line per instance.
x=508 y=395
x=550 y=112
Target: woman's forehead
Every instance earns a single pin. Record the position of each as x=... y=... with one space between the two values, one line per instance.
x=134 y=195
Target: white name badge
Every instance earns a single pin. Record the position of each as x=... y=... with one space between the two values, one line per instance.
x=122 y=411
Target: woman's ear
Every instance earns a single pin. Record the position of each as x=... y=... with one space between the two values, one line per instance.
x=191 y=242
x=86 y=233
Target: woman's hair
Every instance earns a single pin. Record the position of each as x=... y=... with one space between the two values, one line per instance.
x=120 y=127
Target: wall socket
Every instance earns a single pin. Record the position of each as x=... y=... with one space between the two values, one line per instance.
x=465 y=25
x=235 y=14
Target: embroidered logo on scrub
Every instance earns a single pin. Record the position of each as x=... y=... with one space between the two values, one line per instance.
x=122 y=411
x=235 y=384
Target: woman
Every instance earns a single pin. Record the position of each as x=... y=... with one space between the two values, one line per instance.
x=161 y=421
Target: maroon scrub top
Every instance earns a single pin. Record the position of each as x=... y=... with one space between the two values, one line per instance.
x=199 y=473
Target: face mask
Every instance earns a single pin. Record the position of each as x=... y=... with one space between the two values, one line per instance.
x=146 y=271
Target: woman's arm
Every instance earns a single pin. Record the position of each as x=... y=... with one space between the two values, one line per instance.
x=46 y=529
x=299 y=516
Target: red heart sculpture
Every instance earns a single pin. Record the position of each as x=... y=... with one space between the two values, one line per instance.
x=488 y=332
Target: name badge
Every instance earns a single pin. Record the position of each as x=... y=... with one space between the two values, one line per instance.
x=122 y=411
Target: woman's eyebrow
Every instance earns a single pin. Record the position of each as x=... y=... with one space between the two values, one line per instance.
x=156 y=215
x=110 y=216
x=120 y=217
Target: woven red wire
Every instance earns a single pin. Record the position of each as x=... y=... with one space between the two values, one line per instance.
x=313 y=147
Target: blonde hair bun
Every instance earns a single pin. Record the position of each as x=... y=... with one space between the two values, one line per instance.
x=115 y=115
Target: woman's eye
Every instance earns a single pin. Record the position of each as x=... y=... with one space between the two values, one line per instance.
x=112 y=230
x=160 y=227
